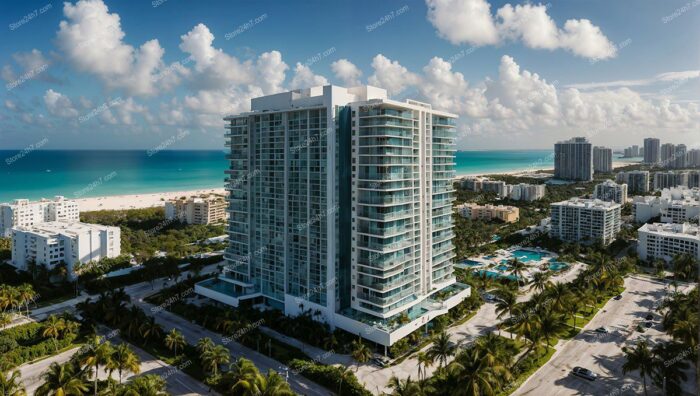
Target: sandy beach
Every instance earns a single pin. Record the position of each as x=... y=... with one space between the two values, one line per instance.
x=137 y=201
x=524 y=171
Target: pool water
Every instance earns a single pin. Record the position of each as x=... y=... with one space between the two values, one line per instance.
x=557 y=266
x=471 y=263
x=492 y=274
x=527 y=256
x=503 y=267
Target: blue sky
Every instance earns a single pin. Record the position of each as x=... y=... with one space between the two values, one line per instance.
x=520 y=75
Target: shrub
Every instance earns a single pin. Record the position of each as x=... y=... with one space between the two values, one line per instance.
x=329 y=376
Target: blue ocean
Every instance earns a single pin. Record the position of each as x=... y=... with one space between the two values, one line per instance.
x=90 y=173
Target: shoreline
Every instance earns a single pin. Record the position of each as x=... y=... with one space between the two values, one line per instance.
x=616 y=165
x=138 y=201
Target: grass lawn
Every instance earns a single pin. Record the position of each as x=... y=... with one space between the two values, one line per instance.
x=541 y=361
x=585 y=315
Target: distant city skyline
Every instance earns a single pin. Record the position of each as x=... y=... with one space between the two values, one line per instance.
x=163 y=74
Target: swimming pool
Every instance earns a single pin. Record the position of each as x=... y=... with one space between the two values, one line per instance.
x=557 y=266
x=492 y=274
x=503 y=267
x=527 y=256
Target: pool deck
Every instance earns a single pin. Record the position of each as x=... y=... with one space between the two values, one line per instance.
x=537 y=260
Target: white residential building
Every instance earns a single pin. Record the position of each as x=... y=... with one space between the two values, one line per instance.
x=665 y=241
x=527 y=192
x=25 y=213
x=52 y=243
x=611 y=191
x=637 y=181
x=602 y=159
x=197 y=210
x=484 y=184
x=675 y=205
x=349 y=213
x=586 y=220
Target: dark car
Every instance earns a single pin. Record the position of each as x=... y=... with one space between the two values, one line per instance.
x=602 y=330
x=618 y=297
x=649 y=317
x=584 y=373
x=649 y=324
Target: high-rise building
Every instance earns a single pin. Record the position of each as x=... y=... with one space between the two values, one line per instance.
x=693 y=158
x=651 y=151
x=349 y=211
x=665 y=241
x=573 y=160
x=197 y=210
x=25 y=213
x=681 y=155
x=670 y=179
x=638 y=182
x=586 y=220
x=53 y=243
x=602 y=159
x=668 y=155
x=611 y=191
x=694 y=179
x=527 y=192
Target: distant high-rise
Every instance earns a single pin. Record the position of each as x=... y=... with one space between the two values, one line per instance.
x=611 y=191
x=670 y=179
x=651 y=150
x=638 y=182
x=681 y=156
x=602 y=159
x=693 y=158
x=668 y=155
x=573 y=160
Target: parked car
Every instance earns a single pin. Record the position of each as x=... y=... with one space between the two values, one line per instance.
x=601 y=330
x=380 y=361
x=584 y=373
x=618 y=297
x=649 y=316
x=649 y=324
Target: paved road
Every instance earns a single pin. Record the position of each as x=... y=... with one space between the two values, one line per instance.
x=483 y=322
x=602 y=353
x=177 y=382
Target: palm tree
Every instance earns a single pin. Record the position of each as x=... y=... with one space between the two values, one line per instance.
x=669 y=376
x=124 y=359
x=551 y=325
x=507 y=301
x=244 y=374
x=540 y=281
x=175 y=340
x=401 y=387
x=5 y=319
x=424 y=361
x=146 y=385
x=572 y=307
x=639 y=358
x=441 y=349
x=360 y=352
x=94 y=354
x=53 y=326
x=273 y=385
x=26 y=295
x=11 y=384
x=214 y=357
x=686 y=331
x=204 y=344
x=344 y=375
x=150 y=329
x=63 y=380
x=470 y=376
x=558 y=293
x=517 y=269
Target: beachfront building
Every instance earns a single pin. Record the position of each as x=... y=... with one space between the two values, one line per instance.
x=573 y=160
x=611 y=191
x=631 y=152
x=484 y=184
x=670 y=179
x=637 y=181
x=602 y=159
x=668 y=155
x=197 y=210
x=349 y=214
x=681 y=154
x=53 y=243
x=665 y=241
x=527 y=192
x=675 y=205
x=651 y=151
x=25 y=213
x=586 y=220
x=508 y=214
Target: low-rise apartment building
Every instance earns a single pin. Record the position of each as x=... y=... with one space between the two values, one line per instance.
x=675 y=205
x=25 y=213
x=586 y=220
x=527 y=192
x=508 y=214
x=665 y=241
x=197 y=210
x=484 y=184
x=53 y=243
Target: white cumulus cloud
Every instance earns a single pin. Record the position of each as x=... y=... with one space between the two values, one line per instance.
x=346 y=72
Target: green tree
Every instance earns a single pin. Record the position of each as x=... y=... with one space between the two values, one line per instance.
x=63 y=380
x=93 y=354
x=360 y=352
x=11 y=384
x=53 y=326
x=214 y=357
x=175 y=340
x=124 y=360
x=639 y=359
x=441 y=349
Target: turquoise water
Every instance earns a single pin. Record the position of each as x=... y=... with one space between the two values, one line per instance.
x=492 y=274
x=527 y=256
x=90 y=173
x=503 y=267
x=471 y=263
x=557 y=266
